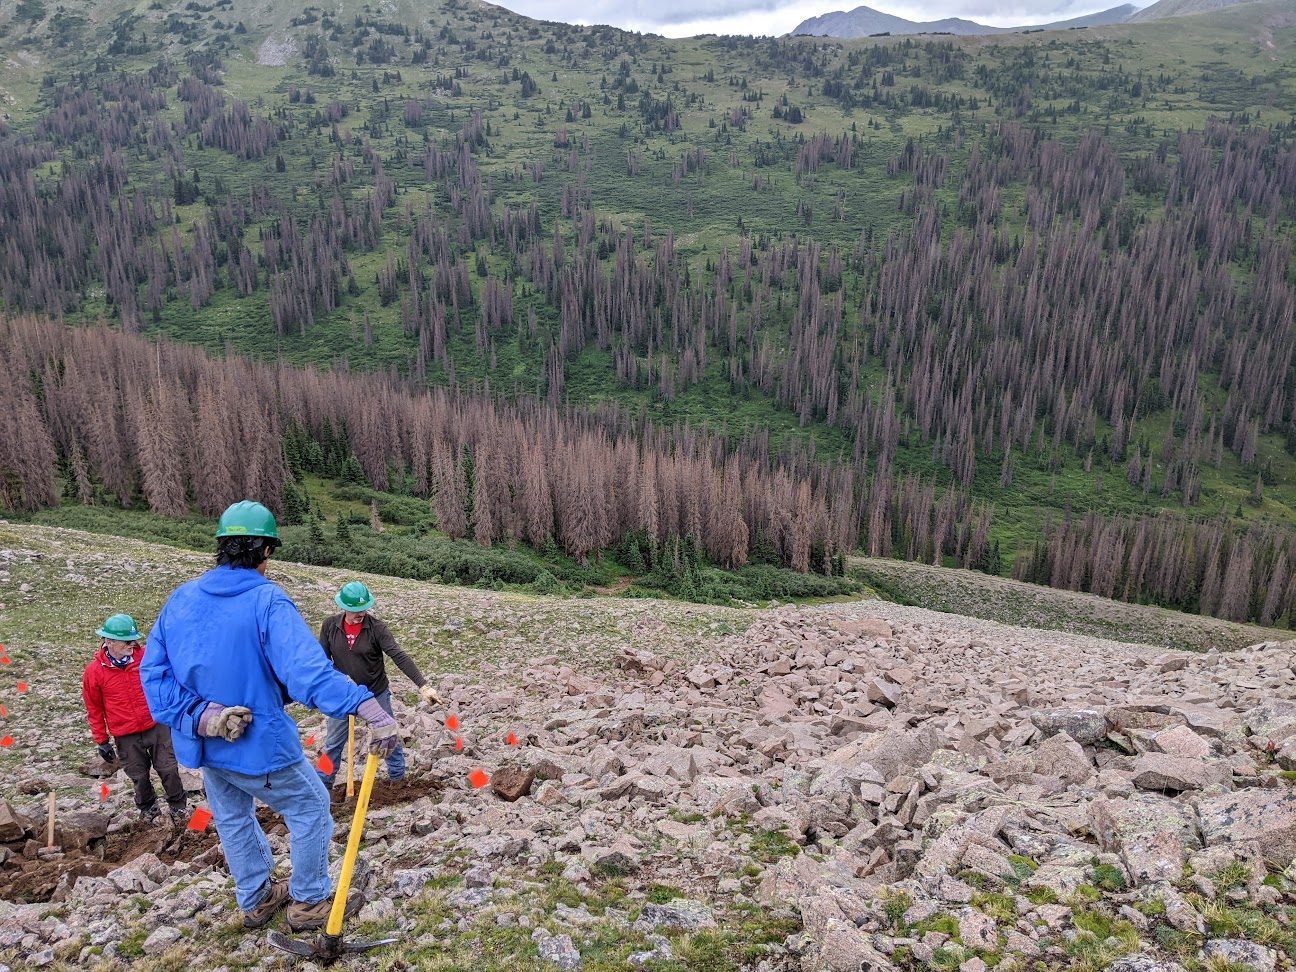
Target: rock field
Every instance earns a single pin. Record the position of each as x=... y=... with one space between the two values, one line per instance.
x=848 y=787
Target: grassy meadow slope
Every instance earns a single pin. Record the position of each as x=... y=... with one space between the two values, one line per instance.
x=57 y=585
x=1181 y=8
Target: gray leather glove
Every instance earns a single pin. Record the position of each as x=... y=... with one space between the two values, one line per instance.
x=224 y=721
x=107 y=753
x=383 y=734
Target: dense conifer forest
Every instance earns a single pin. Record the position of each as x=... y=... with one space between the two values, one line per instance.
x=1023 y=305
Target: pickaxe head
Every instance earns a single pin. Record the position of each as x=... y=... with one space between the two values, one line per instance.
x=327 y=948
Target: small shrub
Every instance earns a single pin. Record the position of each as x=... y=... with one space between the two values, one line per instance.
x=1153 y=907
x=1108 y=877
x=1087 y=893
x=1040 y=895
x=1234 y=874
x=662 y=893
x=1024 y=867
x=610 y=867
x=770 y=845
x=944 y=924
x=1000 y=907
x=895 y=906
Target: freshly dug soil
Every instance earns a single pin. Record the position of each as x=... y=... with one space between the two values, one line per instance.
x=30 y=879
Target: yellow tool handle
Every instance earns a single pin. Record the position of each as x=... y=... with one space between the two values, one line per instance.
x=338 y=911
x=350 y=756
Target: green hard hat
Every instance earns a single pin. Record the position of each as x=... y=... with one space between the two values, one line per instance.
x=120 y=627
x=355 y=597
x=247 y=519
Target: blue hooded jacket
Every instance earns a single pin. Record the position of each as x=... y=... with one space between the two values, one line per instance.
x=233 y=637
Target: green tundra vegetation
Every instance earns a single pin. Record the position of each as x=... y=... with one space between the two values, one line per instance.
x=1019 y=303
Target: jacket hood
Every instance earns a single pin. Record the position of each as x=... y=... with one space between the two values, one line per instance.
x=229 y=581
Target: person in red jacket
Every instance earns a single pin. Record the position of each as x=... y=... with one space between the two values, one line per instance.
x=115 y=703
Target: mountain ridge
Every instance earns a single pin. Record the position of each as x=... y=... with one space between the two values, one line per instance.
x=864 y=21
x=1163 y=9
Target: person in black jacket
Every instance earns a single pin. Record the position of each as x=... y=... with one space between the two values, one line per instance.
x=355 y=642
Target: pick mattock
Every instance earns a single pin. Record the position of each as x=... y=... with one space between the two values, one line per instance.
x=330 y=946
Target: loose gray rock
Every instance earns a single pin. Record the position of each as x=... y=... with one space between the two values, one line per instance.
x=161 y=939
x=408 y=883
x=683 y=913
x=1237 y=951
x=479 y=876
x=561 y=951
x=1143 y=962
x=661 y=952
x=1265 y=816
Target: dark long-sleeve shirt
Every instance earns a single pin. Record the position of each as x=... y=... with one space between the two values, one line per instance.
x=363 y=662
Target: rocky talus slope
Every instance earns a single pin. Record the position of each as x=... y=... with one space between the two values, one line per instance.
x=851 y=787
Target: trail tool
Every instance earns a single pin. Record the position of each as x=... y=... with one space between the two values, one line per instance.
x=50 y=849
x=350 y=756
x=331 y=946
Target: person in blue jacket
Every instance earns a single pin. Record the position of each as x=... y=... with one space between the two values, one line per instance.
x=227 y=654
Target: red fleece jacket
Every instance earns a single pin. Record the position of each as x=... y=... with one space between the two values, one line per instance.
x=114 y=698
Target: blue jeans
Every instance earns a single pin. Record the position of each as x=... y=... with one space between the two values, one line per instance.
x=335 y=745
x=295 y=793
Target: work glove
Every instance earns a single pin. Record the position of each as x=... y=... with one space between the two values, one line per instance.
x=224 y=721
x=107 y=753
x=383 y=735
x=428 y=694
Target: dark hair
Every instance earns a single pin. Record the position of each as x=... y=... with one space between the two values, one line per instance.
x=247 y=552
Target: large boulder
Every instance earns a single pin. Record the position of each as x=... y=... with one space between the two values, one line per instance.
x=1160 y=771
x=1061 y=757
x=1267 y=817
x=1275 y=720
x=1088 y=727
x=1180 y=741
x=603 y=761
x=1152 y=835
x=1209 y=720
x=725 y=795
x=844 y=948
x=13 y=825
x=674 y=762
x=887 y=752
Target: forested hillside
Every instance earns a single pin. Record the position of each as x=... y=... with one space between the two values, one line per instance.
x=1024 y=304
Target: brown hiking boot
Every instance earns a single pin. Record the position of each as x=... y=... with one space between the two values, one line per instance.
x=309 y=917
x=275 y=899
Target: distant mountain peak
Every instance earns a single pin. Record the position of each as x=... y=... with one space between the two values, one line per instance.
x=867 y=21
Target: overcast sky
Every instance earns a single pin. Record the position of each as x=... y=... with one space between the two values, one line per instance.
x=682 y=18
